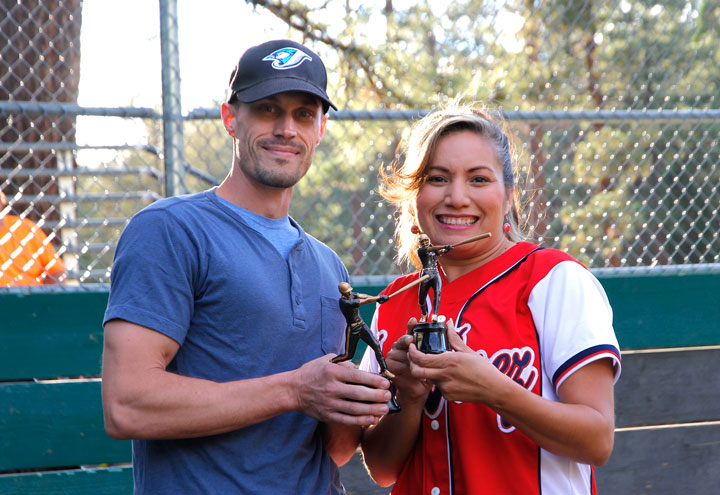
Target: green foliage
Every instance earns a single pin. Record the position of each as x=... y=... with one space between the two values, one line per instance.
x=337 y=200
x=619 y=193
x=207 y=148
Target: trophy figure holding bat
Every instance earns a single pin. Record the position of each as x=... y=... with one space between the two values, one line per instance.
x=430 y=333
x=430 y=336
x=357 y=329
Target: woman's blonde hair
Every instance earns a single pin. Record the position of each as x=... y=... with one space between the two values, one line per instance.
x=401 y=184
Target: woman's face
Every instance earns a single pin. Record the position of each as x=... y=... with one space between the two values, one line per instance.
x=464 y=195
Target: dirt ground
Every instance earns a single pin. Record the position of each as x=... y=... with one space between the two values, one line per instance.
x=356 y=479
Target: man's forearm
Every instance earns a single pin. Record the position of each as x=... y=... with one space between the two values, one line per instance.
x=165 y=405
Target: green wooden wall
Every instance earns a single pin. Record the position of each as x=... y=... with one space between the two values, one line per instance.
x=47 y=425
x=653 y=310
x=649 y=311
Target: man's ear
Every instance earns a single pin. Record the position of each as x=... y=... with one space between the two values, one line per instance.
x=323 y=122
x=227 y=113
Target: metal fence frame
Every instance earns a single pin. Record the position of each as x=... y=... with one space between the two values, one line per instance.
x=176 y=168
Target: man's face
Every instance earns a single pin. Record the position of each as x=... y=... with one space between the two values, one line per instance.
x=275 y=137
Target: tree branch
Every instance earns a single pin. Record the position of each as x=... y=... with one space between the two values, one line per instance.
x=297 y=17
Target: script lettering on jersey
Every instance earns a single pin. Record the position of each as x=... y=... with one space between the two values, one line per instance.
x=519 y=365
x=381 y=337
x=462 y=330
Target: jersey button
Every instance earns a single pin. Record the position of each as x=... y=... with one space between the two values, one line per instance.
x=435 y=491
x=434 y=425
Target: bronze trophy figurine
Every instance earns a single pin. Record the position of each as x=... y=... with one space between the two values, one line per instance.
x=356 y=329
x=431 y=334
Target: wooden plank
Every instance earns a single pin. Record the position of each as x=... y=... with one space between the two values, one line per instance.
x=41 y=329
x=47 y=335
x=650 y=461
x=663 y=461
x=651 y=310
x=99 y=481
x=665 y=311
x=55 y=425
x=674 y=386
x=52 y=310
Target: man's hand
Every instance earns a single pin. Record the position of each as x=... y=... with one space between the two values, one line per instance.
x=340 y=393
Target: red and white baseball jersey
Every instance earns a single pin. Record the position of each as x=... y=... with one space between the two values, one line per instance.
x=538 y=316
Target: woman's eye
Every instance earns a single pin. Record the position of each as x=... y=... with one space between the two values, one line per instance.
x=436 y=178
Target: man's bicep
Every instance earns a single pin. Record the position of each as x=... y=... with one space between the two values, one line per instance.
x=134 y=357
x=128 y=345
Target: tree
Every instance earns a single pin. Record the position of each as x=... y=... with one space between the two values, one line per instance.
x=613 y=194
x=40 y=62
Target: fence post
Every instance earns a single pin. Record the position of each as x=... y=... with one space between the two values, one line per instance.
x=68 y=214
x=173 y=138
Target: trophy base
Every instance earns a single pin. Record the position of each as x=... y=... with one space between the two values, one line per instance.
x=431 y=337
x=392 y=404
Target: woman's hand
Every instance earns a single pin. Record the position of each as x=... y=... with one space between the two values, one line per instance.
x=387 y=446
x=462 y=375
x=580 y=426
x=410 y=389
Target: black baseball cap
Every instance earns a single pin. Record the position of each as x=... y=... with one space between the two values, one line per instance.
x=278 y=66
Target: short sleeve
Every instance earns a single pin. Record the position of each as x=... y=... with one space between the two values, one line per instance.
x=151 y=283
x=573 y=318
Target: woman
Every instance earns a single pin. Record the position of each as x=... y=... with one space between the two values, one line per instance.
x=525 y=403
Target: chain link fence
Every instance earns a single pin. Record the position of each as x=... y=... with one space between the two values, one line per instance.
x=613 y=108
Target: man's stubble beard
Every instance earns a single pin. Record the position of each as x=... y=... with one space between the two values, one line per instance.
x=282 y=176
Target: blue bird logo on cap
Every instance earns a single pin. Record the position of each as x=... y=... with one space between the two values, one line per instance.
x=287 y=58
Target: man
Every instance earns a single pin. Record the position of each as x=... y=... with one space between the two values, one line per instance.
x=27 y=256
x=223 y=315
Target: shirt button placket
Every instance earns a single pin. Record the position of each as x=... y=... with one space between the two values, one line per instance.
x=435 y=425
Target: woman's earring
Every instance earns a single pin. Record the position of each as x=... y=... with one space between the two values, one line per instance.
x=415 y=229
x=506 y=227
